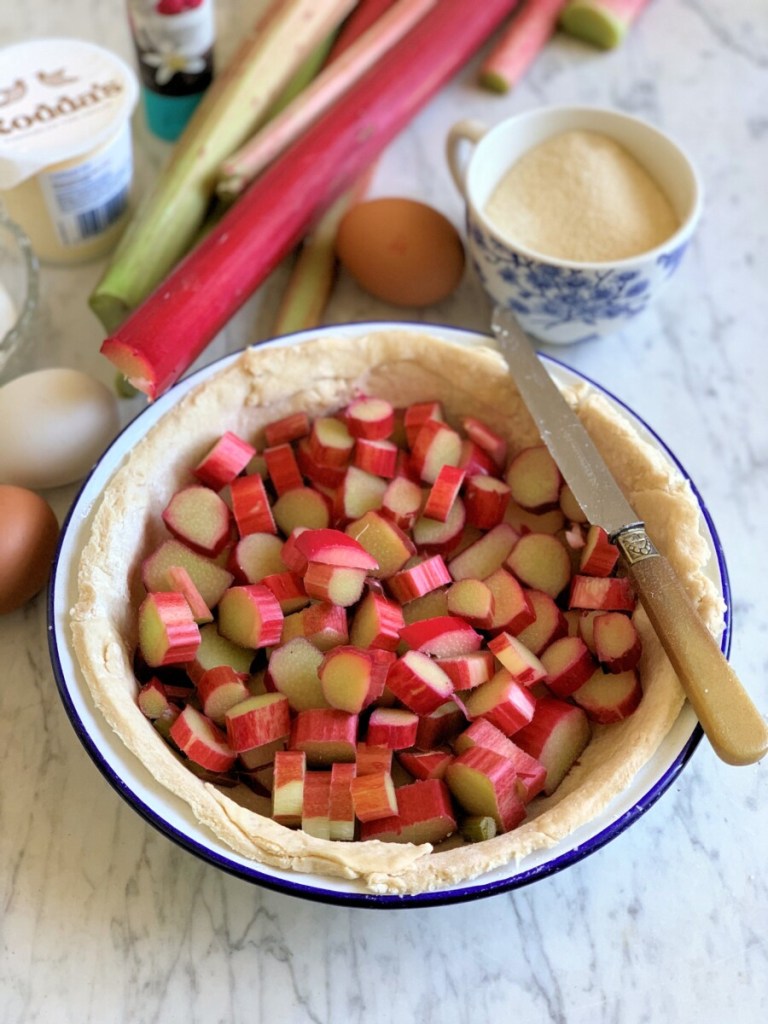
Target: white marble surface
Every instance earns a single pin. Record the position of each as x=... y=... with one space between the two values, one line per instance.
x=104 y=920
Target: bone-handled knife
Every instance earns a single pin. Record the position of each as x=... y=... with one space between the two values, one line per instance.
x=731 y=722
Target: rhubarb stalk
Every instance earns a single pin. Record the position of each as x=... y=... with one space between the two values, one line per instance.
x=603 y=23
x=520 y=44
x=162 y=339
x=341 y=74
x=166 y=223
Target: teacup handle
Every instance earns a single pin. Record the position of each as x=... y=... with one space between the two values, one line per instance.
x=467 y=131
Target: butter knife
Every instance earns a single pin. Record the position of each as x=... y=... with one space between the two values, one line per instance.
x=731 y=722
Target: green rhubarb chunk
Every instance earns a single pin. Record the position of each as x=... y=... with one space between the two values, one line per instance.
x=478 y=827
x=593 y=24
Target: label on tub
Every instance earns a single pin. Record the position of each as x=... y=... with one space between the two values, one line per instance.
x=85 y=199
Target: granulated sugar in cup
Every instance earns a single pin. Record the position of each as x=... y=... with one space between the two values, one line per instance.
x=66 y=160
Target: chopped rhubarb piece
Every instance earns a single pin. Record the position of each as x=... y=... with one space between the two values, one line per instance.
x=350 y=682
x=484 y=783
x=472 y=600
x=416 y=415
x=531 y=522
x=443 y=493
x=198 y=517
x=201 y=741
x=258 y=720
x=325 y=735
x=292 y=557
x=216 y=650
x=419 y=682
x=227 y=459
x=288 y=428
x=387 y=545
x=469 y=670
x=317 y=472
x=556 y=736
x=283 y=469
x=569 y=664
x=386 y=830
x=534 y=479
x=325 y=625
x=288 y=588
x=333 y=547
x=610 y=697
x=209 y=577
x=219 y=689
x=373 y=796
x=434 y=536
x=476 y=828
x=444 y=636
x=603 y=593
x=377 y=623
x=531 y=774
x=486 y=499
x=486 y=438
x=261 y=757
x=250 y=616
x=153 y=700
x=486 y=555
x=436 y=445
x=425 y=812
x=376 y=457
x=419 y=578
x=474 y=461
x=181 y=581
x=512 y=607
x=599 y=556
x=370 y=759
x=330 y=442
x=548 y=624
x=425 y=764
x=394 y=728
x=401 y=502
x=541 y=562
x=570 y=508
x=342 y=810
x=251 y=507
x=370 y=418
x=288 y=787
x=293 y=671
x=316 y=805
x=257 y=555
x=301 y=506
x=337 y=584
x=440 y=726
x=517 y=659
x=432 y=604
x=359 y=492
x=168 y=633
x=506 y=703
x=617 y=642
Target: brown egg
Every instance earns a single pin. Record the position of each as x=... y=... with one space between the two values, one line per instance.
x=400 y=250
x=28 y=535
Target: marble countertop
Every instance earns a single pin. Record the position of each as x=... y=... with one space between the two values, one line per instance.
x=105 y=920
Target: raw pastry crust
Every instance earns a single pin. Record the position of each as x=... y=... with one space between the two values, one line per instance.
x=320 y=376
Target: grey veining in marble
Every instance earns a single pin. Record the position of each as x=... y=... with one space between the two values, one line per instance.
x=104 y=920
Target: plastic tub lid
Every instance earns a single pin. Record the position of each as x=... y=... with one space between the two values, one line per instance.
x=59 y=99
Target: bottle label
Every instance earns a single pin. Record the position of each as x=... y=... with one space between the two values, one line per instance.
x=86 y=199
x=174 y=44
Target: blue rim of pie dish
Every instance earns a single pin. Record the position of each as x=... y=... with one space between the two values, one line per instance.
x=474 y=889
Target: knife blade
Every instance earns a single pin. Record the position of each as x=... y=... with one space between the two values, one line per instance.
x=731 y=722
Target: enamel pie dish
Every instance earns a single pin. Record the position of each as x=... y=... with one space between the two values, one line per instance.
x=115 y=521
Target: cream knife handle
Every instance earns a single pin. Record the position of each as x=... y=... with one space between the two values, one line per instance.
x=730 y=720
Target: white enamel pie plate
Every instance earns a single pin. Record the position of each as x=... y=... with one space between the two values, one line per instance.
x=174 y=818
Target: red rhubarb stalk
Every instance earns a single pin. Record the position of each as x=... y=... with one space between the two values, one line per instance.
x=238 y=170
x=520 y=44
x=603 y=23
x=165 y=335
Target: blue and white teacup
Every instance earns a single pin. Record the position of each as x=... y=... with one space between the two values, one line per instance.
x=555 y=300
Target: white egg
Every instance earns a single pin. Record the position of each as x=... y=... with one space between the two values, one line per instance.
x=54 y=424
